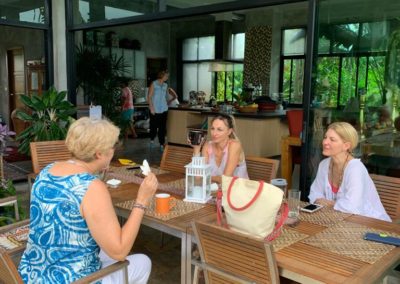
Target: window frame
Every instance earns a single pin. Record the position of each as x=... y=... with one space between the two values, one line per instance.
x=291 y=58
x=356 y=55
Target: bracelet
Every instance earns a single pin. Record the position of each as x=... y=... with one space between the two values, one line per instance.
x=140 y=206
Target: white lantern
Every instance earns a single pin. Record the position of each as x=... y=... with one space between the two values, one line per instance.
x=198 y=181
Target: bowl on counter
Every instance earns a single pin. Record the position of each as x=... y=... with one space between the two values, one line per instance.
x=266 y=106
x=265 y=103
x=248 y=109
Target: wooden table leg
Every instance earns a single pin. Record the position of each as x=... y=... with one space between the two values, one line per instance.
x=286 y=161
x=286 y=157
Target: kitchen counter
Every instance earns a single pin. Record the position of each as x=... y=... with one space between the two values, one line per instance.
x=257 y=115
x=260 y=133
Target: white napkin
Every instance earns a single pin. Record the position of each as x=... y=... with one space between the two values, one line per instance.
x=113 y=182
x=145 y=168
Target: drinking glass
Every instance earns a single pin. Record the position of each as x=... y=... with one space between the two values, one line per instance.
x=294 y=203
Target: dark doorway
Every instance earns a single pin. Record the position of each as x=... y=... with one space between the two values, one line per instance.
x=16 y=83
x=155 y=65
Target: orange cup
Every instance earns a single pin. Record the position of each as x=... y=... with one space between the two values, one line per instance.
x=164 y=203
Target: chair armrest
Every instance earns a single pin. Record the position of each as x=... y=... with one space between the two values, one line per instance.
x=8 y=200
x=4 y=229
x=104 y=272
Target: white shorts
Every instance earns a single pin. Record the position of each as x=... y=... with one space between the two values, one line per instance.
x=139 y=269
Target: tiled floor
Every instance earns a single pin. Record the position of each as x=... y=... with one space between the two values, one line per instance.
x=166 y=256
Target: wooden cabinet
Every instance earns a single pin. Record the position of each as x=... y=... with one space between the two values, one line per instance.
x=179 y=121
x=259 y=136
x=36 y=79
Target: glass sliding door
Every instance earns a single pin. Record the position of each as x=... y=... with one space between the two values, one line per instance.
x=357 y=79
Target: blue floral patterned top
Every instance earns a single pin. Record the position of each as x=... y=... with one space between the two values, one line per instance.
x=60 y=248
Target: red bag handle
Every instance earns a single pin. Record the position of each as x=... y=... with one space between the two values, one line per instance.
x=278 y=227
x=220 y=217
x=260 y=187
x=277 y=230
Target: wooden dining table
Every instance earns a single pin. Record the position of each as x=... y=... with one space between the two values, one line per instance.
x=178 y=226
x=324 y=247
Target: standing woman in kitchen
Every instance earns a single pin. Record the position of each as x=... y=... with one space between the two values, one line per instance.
x=158 y=96
x=127 y=108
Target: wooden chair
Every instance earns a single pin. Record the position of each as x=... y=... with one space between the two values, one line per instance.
x=231 y=257
x=389 y=193
x=44 y=153
x=9 y=273
x=11 y=200
x=260 y=168
x=16 y=252
x=175 y=158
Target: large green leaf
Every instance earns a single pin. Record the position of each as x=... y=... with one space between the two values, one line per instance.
x=26 y=100
x=25 y=133
x=38 y=103
x=60 y=97
x=24 y=116
x=42 y=127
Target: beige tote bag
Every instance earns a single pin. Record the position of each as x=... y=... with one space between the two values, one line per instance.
x=251 y=207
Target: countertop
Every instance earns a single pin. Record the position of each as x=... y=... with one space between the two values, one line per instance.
x=257 y=115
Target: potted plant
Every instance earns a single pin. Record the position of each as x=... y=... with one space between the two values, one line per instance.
x=50 y=118
x=6 y=186
x=100 y=78
x=244 y=102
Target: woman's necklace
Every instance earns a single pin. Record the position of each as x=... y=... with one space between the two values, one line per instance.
x=341 y=172
x=82 y=165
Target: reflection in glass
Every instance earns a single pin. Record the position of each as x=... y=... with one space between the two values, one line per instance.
x=355 y=49
x=174 y=4
x=93 y=10
x=294 y=41
x=23 y=11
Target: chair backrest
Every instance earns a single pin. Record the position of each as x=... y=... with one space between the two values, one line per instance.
x=18 y=124
x=295 y=121
x=389 y=193
x=231 y=257
x=46 y=152
x=175 y=158
x=8 y=201
x=8 y=271
x=262 y=168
